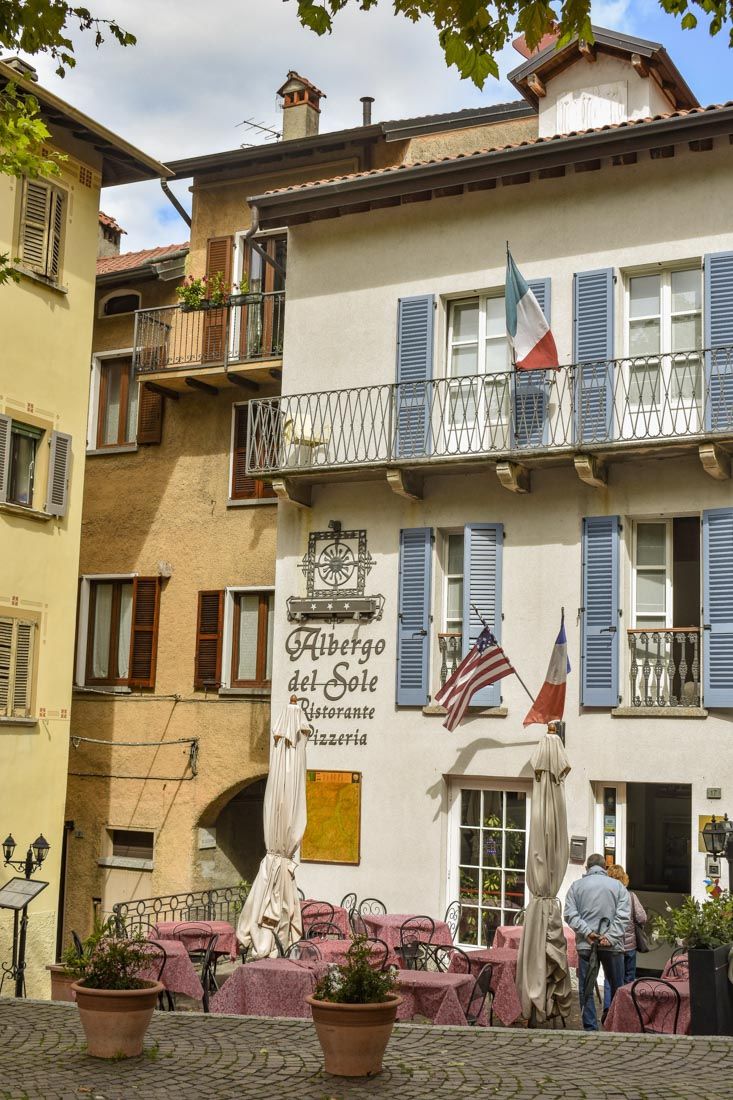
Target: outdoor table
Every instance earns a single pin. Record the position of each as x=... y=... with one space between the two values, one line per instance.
x=268 y=987
x=195 y=939
x=441 y=998
x=386 y=926
x=340 y=917
x=509 y=935
x=622 y=1014
x=507 y=1005
x=179 y=974
x=683 y=968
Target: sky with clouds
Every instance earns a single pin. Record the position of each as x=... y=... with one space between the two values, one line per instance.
x=197 y=72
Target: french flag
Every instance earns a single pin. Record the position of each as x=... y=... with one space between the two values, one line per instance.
x=528 y=331
x=549 y=705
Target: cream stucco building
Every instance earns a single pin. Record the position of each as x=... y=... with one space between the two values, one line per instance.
x=418 y=476
x=46 y=322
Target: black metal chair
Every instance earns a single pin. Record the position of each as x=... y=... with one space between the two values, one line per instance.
x=307 y=950
x=208 y=971
x=417 y=930
x=324 y=930
x=378 y=952
x=278 y=945
x=348 y=902
x=358 y=927
x=481 y=990
x=135 y=925
x=316 y=912
x=660 y=1005
x=412 y=955
x=372 y=907
x=301 y=895
x=444 y=957
x=452 y=918
x=679 y=963
x=166 y=997
x=78 y=945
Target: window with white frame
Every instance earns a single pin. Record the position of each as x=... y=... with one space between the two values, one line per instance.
x=22 y=461
x=652 y=574
x=488 y=842
x=116 y=403
x=119 y=303
x=17 y=636
x=478 y=349
x=664 y=337
x=453 y=583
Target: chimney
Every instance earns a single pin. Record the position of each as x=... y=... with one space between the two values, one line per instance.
x=21 y=67
x=110 y=236
x=366 y=109
x=301 y=107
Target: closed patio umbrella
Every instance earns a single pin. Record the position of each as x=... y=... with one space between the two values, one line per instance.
x=543 y=976
x=273 y=904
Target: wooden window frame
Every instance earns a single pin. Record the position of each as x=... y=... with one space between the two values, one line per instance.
x=127 y=382
x=263 y=614
x=114 y=633
x=261 y=489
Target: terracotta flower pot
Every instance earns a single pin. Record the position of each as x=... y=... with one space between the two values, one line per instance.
x=61 y=983
x=115 y=1020
x=353 y=1038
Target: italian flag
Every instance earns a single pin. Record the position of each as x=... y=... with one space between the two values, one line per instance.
x=529 y=333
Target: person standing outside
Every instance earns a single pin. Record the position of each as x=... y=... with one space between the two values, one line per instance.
x=638 y=916
x=598 y=909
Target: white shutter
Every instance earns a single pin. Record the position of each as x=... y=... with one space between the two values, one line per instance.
x=34 y=225
x=22 y=674
x=5 y=426
x=6 y=648
x=59 y=461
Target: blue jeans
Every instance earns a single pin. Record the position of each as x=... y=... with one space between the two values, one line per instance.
x=613 y=969
x=629 y=975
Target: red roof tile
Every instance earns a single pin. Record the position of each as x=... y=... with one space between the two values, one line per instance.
x=110 y=223
x=128 y=261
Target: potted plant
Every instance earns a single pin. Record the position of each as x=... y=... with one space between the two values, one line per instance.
x=191 y=293
x=241 y=295
x=354 y=1008
x=706 y=930
x=61 y=982
x=115 y=1005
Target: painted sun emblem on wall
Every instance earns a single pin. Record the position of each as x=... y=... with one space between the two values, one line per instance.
x=336 y=564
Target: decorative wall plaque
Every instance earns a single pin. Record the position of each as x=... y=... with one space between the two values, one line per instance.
x=336 y=567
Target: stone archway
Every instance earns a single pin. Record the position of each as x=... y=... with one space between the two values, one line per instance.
x=237 y=831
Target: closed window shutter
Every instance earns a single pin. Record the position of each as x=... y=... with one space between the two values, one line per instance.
x=59 y=463
x=218 y=259
x=35 y=224
x=413 y=620
x=22 y=673
x=482 y=552
x=245 y=487
x=6 y=654
x=56 y=227
x=415 y=328
x=717 y=550
x=600 y=612
x=6 y=424
x=718 y=311
x=149 y=416
x=144 y=634
x=593 y=332
x=531 y=387
x=209 y=632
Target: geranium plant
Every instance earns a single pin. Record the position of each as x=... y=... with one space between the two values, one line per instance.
x=356 y=982
x=109 y=961
x=697 y=924
x=191 y=292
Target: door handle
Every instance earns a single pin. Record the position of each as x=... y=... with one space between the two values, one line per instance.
x=419 y=633
x=609 y=630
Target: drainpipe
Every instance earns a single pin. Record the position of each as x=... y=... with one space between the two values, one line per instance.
x=172 y=199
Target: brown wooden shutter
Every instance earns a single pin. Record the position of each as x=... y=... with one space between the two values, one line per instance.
x=144 y=634
x=149 y=416
x=245 y=487
x=209 y=630
x=219 y=252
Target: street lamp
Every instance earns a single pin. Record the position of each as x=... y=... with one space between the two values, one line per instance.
x=34 y=857
x=717 y=836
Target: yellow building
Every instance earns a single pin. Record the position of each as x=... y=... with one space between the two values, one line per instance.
x=46 y=325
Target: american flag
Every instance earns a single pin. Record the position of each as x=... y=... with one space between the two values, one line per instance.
x=484 y=664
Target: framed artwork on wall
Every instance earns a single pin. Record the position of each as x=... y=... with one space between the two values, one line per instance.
x=333 y=832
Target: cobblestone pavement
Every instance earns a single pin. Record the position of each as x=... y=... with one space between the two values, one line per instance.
x=189 y=1056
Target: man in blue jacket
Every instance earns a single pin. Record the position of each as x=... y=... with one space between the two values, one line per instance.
x=598 y=908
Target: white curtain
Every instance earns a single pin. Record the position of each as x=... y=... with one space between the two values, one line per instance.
x=123 y=642
x=102 y=626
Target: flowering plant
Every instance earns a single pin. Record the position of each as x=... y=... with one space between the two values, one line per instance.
x=109 y=960
x=210 y=288
x=697 y=924
x=191 y=292
x=356 y=982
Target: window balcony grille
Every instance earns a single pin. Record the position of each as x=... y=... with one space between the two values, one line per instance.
x=665 y=667
x=450 y=647
x=597 y=407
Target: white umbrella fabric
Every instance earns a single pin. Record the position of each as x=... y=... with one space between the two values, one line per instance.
x=273 y=904
x=543 y=975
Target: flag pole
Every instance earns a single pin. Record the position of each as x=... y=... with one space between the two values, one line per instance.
x=483 y=620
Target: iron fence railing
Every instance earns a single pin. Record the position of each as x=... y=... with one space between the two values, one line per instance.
x=449 y=648
x=218 y=903
x=665 y=667
x=514 y=414
x=172 y=336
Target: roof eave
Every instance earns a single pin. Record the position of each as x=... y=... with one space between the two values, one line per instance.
x=140 y=273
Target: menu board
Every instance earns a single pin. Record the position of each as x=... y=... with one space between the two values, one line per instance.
x=19 y=891
x=333 y=832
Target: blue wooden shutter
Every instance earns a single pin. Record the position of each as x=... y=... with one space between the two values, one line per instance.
x=592 y=354
x=413 y=620
x=531 y=387
x=482 y=548
x=718 y=316
x=415 y=326
x=717 y=558
x=600 y=612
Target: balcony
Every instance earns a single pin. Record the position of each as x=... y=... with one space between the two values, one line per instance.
x=450 y=647
x=244 y=339
x=586 y=413
x=665 y=667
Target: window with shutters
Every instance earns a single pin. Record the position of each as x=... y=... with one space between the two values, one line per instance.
x=257 y=326
x=242 y=486
x=42 y=228
x=22 y=461
x=479 y=360
x=17 y=645
x=450 y=638
x=117 y=406
x=118 y=633
x=132 y=843
x=252 y=628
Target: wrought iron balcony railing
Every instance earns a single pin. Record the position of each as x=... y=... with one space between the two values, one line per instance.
x=219 y=903
x=619 y=402
x=173 y=337
x=665 y=667
x=449 y=647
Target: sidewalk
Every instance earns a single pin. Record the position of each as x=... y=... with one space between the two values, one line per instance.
x=191 y=1056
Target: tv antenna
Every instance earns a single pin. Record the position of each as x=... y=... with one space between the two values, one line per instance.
x=259 y=127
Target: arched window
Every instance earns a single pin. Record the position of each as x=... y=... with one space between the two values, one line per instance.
x=126 y=301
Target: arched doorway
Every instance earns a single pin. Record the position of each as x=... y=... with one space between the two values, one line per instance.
x=239 y=838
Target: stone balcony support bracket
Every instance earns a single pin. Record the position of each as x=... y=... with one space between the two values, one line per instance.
x=405 y=484
x=513 y=477
x=715 y=461
x=591 y=470
x=288 y=491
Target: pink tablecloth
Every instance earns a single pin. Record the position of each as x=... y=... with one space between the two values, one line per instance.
x=322 y=915
x=386 y=926
x=195 y=940
x=509 y=935
x=507 y=1005
x=622 y=1014
x=268 y=987
x=179 y=975
x=681 y=968
x=441 y=998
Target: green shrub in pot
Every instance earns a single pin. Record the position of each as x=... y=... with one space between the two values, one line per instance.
x=697 y=924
